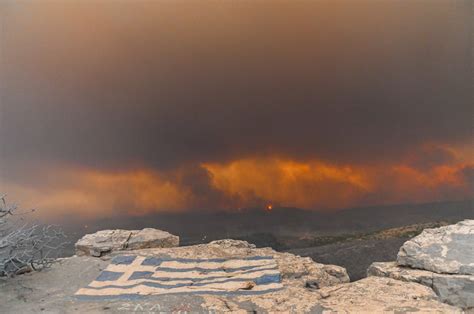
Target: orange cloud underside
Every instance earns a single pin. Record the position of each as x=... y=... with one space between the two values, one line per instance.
x=98 y=193
x=290 y=183
x=246 y=182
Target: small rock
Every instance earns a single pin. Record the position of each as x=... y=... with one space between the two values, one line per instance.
x=230 y=243
x=248 y=285
x=311 y=284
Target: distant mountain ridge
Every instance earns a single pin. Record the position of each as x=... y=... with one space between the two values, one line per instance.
x=352 y=238
x=205 y=226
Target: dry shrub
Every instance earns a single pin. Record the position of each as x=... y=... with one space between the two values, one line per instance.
x=24 y=246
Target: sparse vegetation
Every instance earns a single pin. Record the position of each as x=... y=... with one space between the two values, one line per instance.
x=23 y=246
x=401 y=232
x=405 y=232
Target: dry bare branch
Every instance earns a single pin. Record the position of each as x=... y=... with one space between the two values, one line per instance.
x=26 y=247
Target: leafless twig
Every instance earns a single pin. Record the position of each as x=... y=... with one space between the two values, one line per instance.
x=26 y=247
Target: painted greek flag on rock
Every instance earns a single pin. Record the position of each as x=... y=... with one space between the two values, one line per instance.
x=140 y=275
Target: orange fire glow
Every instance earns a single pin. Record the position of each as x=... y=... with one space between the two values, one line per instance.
x=244 y=183
x=291 y=183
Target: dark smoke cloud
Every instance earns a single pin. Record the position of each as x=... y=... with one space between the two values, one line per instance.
x=118 y=84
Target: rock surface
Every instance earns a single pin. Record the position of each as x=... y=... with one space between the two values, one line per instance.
x=107 y=241
x=441 y=258
x=152 y=238
x=448 y=249
x=370 y=295
x=309 y=287
x=376 y=295
x=295 y=270
x=453 y=289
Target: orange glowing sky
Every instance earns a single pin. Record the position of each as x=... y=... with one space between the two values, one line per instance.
x=128 y=107
x=250 y=182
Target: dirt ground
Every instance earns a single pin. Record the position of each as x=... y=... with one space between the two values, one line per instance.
x=52 y=291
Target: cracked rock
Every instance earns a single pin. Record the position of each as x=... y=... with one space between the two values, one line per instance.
x=106 y=241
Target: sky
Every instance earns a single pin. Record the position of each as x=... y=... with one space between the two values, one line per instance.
x=133 y=107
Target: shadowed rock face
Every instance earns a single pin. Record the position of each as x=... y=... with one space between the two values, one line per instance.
x=448 y=249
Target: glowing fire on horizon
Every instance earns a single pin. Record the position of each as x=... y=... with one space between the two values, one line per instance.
x=245 y=183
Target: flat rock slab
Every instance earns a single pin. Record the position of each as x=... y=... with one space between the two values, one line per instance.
x=456 y=290
x=132 y=276
x=106 y=241
x=448 y=249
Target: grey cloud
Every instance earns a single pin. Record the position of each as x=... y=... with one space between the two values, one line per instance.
x=164 y=84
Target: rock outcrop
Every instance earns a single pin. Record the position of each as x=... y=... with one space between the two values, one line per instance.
x=452 y=289
x=107 y=241
x=448 y=249
x=441 y=258
x=307 y=287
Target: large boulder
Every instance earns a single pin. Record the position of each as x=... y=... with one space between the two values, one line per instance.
x=106 y=241
x=448 y=249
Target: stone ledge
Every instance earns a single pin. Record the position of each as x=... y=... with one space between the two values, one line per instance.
x=456 y=290
x=107 y=241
